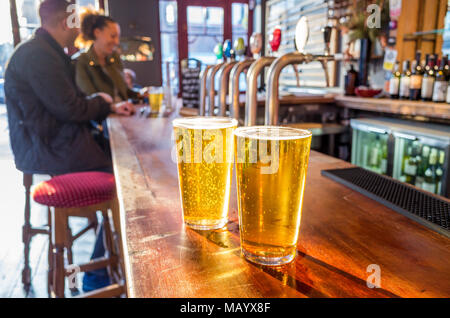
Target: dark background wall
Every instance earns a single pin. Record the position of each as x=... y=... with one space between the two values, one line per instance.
x=140 y=18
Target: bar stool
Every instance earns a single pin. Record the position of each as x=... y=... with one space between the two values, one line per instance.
x=29 y=231
x=81 y=195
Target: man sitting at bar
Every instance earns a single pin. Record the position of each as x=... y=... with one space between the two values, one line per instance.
x=48 y=115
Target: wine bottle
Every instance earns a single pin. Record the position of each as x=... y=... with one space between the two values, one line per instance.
x=428 y=80
x=394 y=83
x=351 y=81
x=429 y=183
x=425 y=65
x=405 y=80
x=423 y=165
x=384 y=158
x=437 y=63
x=375 y=155
x=440 y=85
x=410 y=166
x=415 y=85
x=447 y=100
x=440 y=172
x=446 y=68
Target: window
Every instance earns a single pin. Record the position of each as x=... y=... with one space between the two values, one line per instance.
x=6 y=38
x=169 y=41
x=205 y=30
x=86 y=3
x=239 y=18
x=27 y=14
x=205 y=23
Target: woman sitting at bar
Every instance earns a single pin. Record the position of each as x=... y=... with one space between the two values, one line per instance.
x=100 y=68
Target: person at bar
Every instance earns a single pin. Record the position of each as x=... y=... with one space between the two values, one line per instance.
x=100 y=69
x=48 y=115
x=130 y=79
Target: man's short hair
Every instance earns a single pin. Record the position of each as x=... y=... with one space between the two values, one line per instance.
x=53 y=11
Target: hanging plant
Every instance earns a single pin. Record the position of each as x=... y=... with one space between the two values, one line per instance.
x=357 y=25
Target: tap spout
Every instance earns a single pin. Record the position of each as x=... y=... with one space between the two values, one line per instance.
x=224 y=75
x=251 y=99
x=203 y=90
x=233 y=88
x=210 y=83
x=273 y=76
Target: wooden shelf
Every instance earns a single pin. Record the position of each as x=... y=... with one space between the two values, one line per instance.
x=403 y=107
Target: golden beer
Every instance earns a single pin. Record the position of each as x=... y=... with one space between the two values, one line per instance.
x=155 y=100
x=205 y=150
x=271 y=164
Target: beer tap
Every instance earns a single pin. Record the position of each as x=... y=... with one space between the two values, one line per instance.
x=224 y=75
x=255 y=45
x=251 y=98
x=299 y=57
x=210 y=78
x=203 y=89
x=327 y=38
x=256 y=68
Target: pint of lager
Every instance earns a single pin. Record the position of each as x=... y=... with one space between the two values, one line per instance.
x=271 y=164
x=204 y=151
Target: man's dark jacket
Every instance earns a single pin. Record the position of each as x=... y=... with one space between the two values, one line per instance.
x=48 y=115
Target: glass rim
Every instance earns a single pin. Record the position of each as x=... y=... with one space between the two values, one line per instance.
x=204 y=122
x=292 y=133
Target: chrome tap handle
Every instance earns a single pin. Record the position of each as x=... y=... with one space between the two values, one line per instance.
x=327 y=38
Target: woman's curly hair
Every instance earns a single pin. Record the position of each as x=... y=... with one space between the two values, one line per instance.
x=90 y=21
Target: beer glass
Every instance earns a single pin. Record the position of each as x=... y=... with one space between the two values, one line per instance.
x=205 y=155
x=271 y=164
x=155 y=98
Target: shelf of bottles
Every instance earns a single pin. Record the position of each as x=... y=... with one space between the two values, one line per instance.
x=426 y=80
x=414 y=153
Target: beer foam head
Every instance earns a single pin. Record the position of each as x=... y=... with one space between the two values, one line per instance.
x=201 y=122
x=272 y=133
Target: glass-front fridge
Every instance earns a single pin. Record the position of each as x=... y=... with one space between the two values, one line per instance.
x=370 y=145
x=417 y=153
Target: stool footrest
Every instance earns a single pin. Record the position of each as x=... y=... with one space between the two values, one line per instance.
x=114 y=290
x=40 y=230
x=95 y=264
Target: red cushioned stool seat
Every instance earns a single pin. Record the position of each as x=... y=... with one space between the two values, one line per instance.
x=75 y=190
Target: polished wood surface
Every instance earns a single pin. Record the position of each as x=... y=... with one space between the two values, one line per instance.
x=392 y=106
x=341 y=234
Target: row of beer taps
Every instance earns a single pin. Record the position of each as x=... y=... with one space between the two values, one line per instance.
x=229 y=70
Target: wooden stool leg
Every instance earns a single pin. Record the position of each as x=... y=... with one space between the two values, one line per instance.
x=50 y=255
x=115 y=211
x=107 y=239
x=26 y=231
x=69 y=243
x=59 y=236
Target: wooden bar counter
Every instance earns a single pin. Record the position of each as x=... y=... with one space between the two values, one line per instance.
x=342 y=233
